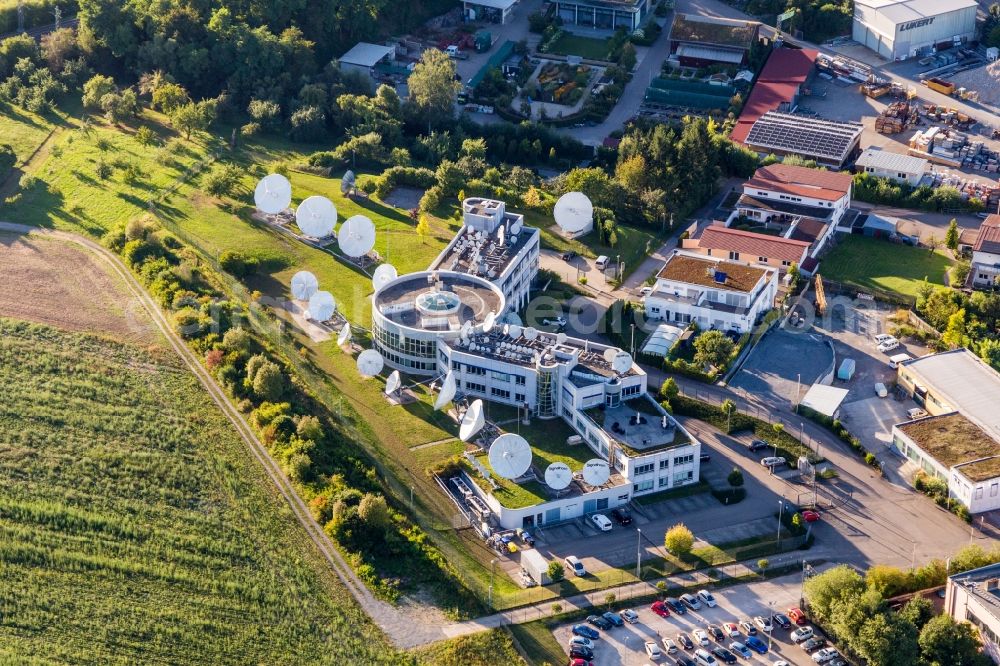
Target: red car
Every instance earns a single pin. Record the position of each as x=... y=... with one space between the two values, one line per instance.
x=797 y=616
x=660 y=609
x=810 y=516
x=580 y=662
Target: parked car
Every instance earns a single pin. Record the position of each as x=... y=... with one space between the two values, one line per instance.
x=796 y=615
x=814 y=643
x=683 y=660
x=740 y=649
x=701 y=637
x=525 y=536
x=622 y=516
x=574 y=564
x=660 y=609
x=883 y=337
x=614 y=619
x=653 y=651
x=645 y=291
x=569 y=255
x=915 y=413
x=586 y=632
x=630 y=616
x=579 y=652
x=685 y=641
x=757 y=645
x=601 y=521
x=554 y=321
x=731 y=629
x=582 y=642
x=580 y=662
x=670 y=645
x=782 y=620
x=757 y=445
x=691 y=601
x=705 y=658
x=724 y=655
x=675 y=605
x=810 y=516
x=706 y=597
x=762 y=623
x=825 y=655
x=801 y=634
x=894 y=361
x=599 y=621
x=715 y=632
x=888 y=346
x=772 y=461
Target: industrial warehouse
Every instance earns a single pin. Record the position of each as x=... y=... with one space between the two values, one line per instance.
x=901 y=29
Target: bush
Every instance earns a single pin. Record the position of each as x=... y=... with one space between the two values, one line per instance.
x=556 y=571
x=679 y=540
x=238 y=264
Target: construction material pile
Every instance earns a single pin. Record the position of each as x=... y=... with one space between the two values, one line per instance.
x=985 y=80
x=947 y=116
x=952 y=148
x=896 y=117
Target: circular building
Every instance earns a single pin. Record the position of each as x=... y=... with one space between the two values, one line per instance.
x=411 y=313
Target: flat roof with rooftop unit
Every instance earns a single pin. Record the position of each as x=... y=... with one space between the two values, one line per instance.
x=830 y=142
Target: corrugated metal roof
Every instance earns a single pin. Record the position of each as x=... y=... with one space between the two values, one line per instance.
x=713 y=53
x=779 y=81
x=366 y=55
x=901 y=11
x=890 y=161
x=989 y=236
x=965 y=382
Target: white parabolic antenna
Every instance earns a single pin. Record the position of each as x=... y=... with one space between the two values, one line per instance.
x=596 y=472
x=510 y=455
x=515 y=330
x=347 y=182
x=356 y=237
x=530 y=333
x=273 y=194
x=393 y=383
x=515 y=229
x=489 y=322
x=512 y=318
x=316 y=217
x=622 y=362
x=560 y=338
x=472 y=422
x=370 y=363
x=383 y=275
x=344 y=336
x=322 y=306
x=448 y=389
x=558 y=475
x=610 y=353
x=574 y=212
x=304 y=285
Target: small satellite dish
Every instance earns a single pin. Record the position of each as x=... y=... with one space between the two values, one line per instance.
x=558 y=476
x=574 y=212
x=356 y=237
x=344 y=336
x=466 y=329
x=516 y=227
x=610 y=353
x=500 y=235
x=383 y=275
x=472 y=422
x=316 y=217
x=489 y=322
x=515 y=331
x=510 y=455
x=370 y=363
x=393 y=383
x=622 y=362
x=273 y=194
x=304 y=285
x=347 y=182
x=530 y=333
x=596 y=472
x=560 y=338
x=322 y=306
x=447 y=393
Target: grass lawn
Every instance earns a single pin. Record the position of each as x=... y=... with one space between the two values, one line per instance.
x=23 y=130
x=585 y=47
x=136 y=528
x=536 y=638
x=877 y=264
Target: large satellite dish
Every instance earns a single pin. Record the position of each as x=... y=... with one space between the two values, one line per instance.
x=322 y=306
x=472 y=422
x=510 y=455
x=489 y=322
x=347 y=182
x=515 y=331
x=356 y=237
x=515 y=229
x=621 y=362
x=574 y=212
x=383 y=275
x=560 y=338
x=393 y=383
x=558 y=476
x=304 y=285
x=273 y=194
x=512 y=318
x=344 y=336
x=530 y=333
x=370 y=363
x=447 y=393
x=316 y=217
x=596 y=472
x=610 y=353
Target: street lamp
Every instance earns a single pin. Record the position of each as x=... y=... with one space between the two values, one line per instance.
x=633 y=340
x=781 y=509
x=798 y=388
x=770 y=605
x=638 y=552
x=493 y=570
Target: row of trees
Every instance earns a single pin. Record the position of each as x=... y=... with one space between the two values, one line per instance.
x=966 y=320
x=877 y=190
x=36 y=76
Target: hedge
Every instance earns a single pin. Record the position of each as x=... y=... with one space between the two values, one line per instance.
x=842 y=433
x=393 y=177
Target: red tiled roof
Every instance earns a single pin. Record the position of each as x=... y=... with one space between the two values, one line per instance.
x=801 y=180
x=786 y=65
x=752 y=244
x=808 y=229
x=989 y=236
x=779 y=81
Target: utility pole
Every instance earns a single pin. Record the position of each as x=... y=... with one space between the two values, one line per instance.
x=781 y=509
x=20 y=15
x=57 y=13
x=493 y=570
x=638 y=552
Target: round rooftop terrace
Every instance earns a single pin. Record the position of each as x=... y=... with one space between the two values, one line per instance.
x=437 y=301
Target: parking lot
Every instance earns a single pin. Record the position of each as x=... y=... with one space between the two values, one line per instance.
x=622 y=646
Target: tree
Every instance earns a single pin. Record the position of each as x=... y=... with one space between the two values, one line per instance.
x=609 y=599
x=474 y=148
x=433 y=87
x=223 y=180
x=632 y=173
x=918 y=611
x=308 y=124
x=763 y=564
x=888 y=580
x=955 y=335
x=145 y=136
x=824 y=589
x=265 y=113
x=735 y=477
x=308 y=427
x=168 y=97
x=237 y=340
x=374 y=511
x=989 y=349
x=194 y=117
x=951 y=236
x=424 y=226
x=95 y=89
x=119 y=107
x=669 y=389
x=556 y=572
x=713 y=348
x=269 y=383
x=852 y=611
x=946 y=642
x=933 y=243
x=58 y=46
x=887 y=640
x=679 y=540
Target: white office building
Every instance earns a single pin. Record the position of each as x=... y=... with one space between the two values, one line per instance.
x=894 y=166
x=901 y=29
x=974 y=597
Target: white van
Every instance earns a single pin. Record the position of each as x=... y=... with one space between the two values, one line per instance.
x=574 y=564
x=704 y=658
x=894 y=361
x=601 y=521
x=602 y=262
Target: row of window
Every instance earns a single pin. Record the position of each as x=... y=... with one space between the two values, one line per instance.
x=409 y=346
x=405 y=362
x=678 y=479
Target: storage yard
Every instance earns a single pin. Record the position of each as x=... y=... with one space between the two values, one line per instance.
x=984 y=80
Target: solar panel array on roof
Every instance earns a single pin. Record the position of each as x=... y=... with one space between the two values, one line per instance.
x=805 y=135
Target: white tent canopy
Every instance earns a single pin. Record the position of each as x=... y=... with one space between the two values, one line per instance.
x=824 y=399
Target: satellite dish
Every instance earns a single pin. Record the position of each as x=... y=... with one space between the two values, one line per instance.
x=489 y=322
x=316 y=217
x=304 y=285
x=393 y=383
x=574 y=212
x=596 y=472
x=273 y=194
x=370 y=363
x=472 y=422
x=466 y=329
x=510 y=455
x=383 y=275
x=322 y=306
x=515 y=331
x=515 y=228
x=356 y=237
x=610 y=353
x=530 y=333
x=447 y=393
x=347 y=182
x=513 y=318
x=622 y=362
x=561 y=338
x=558 y=476
x=344 y=336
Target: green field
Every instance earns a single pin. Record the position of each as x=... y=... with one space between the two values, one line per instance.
x=23 y=130
x=585 y=47
x=136 y=528
x=878 y=264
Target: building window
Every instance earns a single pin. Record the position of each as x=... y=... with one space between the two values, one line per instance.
x=994 y=489
x=664 y=481
x=681 y=478
x=499 y=376
x=519 y=380
x=519 y=397
x=643 y=487
x=684 y=460
x=500 y=393
x=786 y=263
x=979 y=492
x=734 y=255
x=644 y=469
x=762 y=260
x=664 y=464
